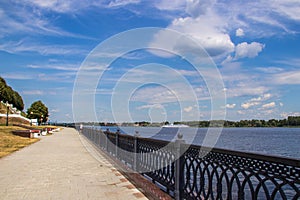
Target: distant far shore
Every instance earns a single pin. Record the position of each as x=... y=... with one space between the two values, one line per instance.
x=289 y=122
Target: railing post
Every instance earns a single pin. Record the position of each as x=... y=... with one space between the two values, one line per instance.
x=179 y=176
x=106 y=140
x=93 y=135
x=135 y=152
x=117 y=142
x=99 y=138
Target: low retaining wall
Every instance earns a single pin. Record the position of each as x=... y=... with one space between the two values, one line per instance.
x=14 y=118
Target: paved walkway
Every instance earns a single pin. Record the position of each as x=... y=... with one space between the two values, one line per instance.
x=62 y=166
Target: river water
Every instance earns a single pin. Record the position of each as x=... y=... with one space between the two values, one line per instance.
x=269 y=141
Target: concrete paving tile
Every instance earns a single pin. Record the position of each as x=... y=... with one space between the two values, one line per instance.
x=62 y=166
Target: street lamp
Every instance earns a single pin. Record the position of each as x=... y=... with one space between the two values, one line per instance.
x=42 y=119
x=38 y=118
x=7 y=109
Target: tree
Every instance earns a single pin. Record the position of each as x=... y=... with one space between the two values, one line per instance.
x=19 y=104
x=7 y=94
x=39 y=111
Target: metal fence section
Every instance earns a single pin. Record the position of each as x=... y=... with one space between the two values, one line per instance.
x=194 y=172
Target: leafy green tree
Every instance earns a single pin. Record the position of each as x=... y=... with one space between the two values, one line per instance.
x=2 y=86
x=7 y=94
x=39 y=111
x=18 y=101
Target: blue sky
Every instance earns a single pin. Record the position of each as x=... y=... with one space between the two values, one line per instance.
x=255 y=46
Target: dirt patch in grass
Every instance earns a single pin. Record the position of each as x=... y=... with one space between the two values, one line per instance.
x=10 y=143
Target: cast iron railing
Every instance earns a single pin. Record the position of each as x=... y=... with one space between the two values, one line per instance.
x=194 y=172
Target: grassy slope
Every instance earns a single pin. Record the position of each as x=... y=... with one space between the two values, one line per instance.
x=10 y=143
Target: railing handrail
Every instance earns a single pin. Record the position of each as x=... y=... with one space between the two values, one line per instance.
x=204 y=172
x=260 y=156
x=265 y=157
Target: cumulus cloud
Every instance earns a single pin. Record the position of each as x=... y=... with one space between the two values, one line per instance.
x=202 y=24
x=269 y=105
x=249 y=104
x=188 y=109
x=195 y=8
x=245 y=50
x=262 y=97
x=239 y=32
x=166 y=5
x=256 y=101
x=230 y=105
x=287 y=114
x=209 y=32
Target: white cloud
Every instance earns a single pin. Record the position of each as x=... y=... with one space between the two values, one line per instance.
x=288 y=8
x=24 y=46
x=27 y=75
x=230 y=105
x=208 y=31
x=55 y=110
x=293 y=62
x=256 y=101
x=188 y=109
x=260 y=18
x=62 y=67
x=251 y=50
x=155 y=95
x=240 y=82
x=22 y=19
x=195 y=8
x=262 y=97
x=239 y=32
x=241 y=112
x=249 y=104
x=286 y=78
x=120 y=3
x=18 y=76
x=243 y=89
x=33 y=92
x=269 y=105
x=150 y=106
x=270 y=70
x=287 y=114
x=175 y=5
x=161 y=95
x=61 y=6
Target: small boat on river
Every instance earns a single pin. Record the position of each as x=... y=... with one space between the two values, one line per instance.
x=175 y=126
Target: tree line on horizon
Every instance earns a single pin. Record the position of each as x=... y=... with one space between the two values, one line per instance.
x=289 y=121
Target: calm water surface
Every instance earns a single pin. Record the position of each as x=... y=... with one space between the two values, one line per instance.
x=270 y=141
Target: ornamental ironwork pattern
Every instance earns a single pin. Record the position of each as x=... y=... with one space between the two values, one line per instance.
x=111 y=143
x=201 y=172
x=156 y=160
x=126 y=149
x=223 y=174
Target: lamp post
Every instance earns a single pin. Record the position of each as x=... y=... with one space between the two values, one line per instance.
x=7 y=109
x=38 y=118
x=42 y=120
